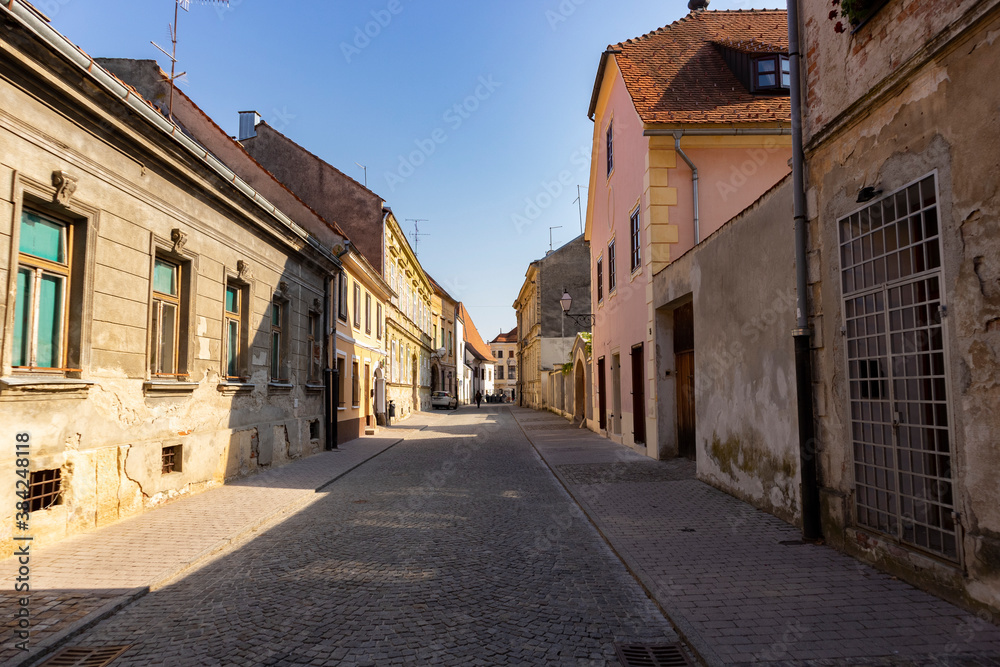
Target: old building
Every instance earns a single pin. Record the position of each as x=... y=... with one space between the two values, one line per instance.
x=478 y=361
x=375 y=232
x=444 y=362
x=899 y=118
x=362 y=305
x=545 y=332
x=504 y=349
x=162 y=320
x=691 y=125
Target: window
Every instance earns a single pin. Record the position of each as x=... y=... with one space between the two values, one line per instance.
x=600 y=279
x=342 y=300
x=44 y=489
x=609 y=137
x=234 y=331
x=314 y=429
x=279 y=316
x=450 y=344
x=314 y=338
x=611 y=266
x=342 y=375
x=357 y=306
x=355 y=385
x=771 y=72
x=510 y=353
x=170 y=458
x=368 y=313
x=378 y=321
x=40 y=308
x=512 y=372
x=635 y=241
x=499 y=372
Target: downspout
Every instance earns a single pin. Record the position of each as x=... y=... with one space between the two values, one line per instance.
x=694 y=182
x=812 y=528
x=329 y=386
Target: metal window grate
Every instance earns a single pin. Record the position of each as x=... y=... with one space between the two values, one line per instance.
x=651 y=655
x=44 y=489
x=170 y=460
x=890 y=255
x=85 y=656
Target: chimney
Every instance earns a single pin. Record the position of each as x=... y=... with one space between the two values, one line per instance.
x=248 y=124
x=698 y=5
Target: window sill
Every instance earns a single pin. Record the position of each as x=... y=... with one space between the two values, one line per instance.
x=44 y=384
x=280 y=385
x=235 y=387
x=314 y=387
x=168 y=386
x=340 y=407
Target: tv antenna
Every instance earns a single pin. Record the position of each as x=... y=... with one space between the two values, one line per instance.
x=550 y=235
x=366 y=172
x=416 y=232
x=579 y=202
x=172 y=29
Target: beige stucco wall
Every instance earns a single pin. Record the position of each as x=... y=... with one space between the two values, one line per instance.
x=932 y=108
x=132 y=191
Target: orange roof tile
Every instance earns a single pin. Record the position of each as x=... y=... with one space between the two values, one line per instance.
x=677 y=74
x=509 y=337
x=471 y=335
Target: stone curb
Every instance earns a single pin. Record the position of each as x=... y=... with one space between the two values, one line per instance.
x=221 y=547
x=685 y=631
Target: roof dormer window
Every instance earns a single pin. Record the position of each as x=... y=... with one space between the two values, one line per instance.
x=771 y=73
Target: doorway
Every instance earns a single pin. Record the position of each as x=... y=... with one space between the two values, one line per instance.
x=368 y=395
x=638 y=396
x=602 y=401
x=684 y=365
x=616 y=394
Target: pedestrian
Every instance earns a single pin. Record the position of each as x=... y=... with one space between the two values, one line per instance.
x=479 y=399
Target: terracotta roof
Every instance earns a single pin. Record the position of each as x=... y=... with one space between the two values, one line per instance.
x=509 y=337
x=676 y=74
x=471 y=335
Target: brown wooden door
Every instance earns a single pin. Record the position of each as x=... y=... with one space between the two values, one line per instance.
x=685 y=404
x=602 y=398
x=638 y=396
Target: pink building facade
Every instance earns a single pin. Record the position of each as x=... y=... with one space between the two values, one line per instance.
x=650 y=110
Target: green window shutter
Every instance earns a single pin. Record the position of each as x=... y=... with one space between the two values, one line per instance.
x=22 y=314
x=43 y=238
x=232 y=300
x=49 y=325
x=165 y=278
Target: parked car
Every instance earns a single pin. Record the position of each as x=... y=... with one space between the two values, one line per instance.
x=442 y=399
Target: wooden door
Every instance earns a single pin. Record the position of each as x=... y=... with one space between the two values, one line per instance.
x=602 y=399
x=685 y=404
x=638 y=396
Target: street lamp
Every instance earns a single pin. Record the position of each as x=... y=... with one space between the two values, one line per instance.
x=583 y=319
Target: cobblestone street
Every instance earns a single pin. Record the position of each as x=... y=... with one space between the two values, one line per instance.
x=434 y=552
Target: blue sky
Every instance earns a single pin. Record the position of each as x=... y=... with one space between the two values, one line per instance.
x=377 y=82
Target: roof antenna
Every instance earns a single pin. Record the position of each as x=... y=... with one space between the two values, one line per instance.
x=172 y=27
x=698 y=5
x=417 y=233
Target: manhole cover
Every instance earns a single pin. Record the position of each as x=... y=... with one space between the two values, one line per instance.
x=85 y=656
x=651 y=655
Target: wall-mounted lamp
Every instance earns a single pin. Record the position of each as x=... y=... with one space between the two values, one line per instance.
x=583 y=319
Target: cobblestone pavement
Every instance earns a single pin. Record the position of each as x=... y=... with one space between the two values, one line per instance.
x=455 y=547
x=738 y=582
x=89 y=575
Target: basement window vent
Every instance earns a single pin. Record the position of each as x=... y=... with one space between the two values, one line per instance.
x=85 y=656
x=44 y=489
x=651 y=655
x=171 y=459
x=314 y=429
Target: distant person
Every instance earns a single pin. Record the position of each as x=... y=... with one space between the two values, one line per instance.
x=479 y=399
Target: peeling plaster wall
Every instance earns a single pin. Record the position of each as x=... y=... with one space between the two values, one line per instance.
x=941 y=116
x=133 y=189
x=745 y=410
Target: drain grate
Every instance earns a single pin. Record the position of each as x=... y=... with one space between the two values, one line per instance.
x=85 y=656
x=651 y=655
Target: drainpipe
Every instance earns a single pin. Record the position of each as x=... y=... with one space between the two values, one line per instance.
x=812 y=528
x=329 y=385
x=694 y=182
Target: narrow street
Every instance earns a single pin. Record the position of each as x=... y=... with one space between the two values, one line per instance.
x=432 y=553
